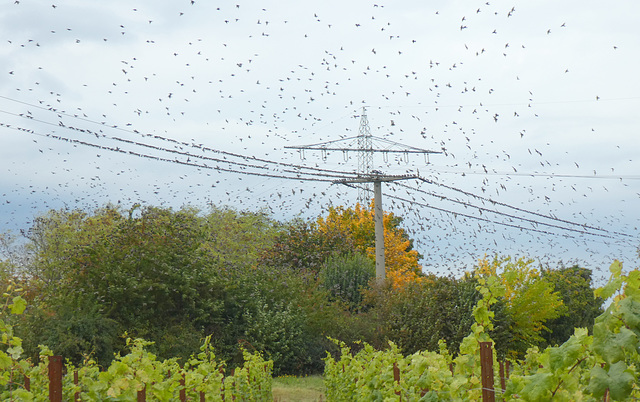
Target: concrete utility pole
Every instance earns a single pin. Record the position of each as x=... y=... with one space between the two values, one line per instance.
x=381 y=272
x=377 y=179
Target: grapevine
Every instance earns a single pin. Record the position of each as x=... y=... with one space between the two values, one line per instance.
x=129 y=374
x=586 y=367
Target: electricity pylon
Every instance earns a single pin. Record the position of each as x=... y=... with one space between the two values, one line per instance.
x=365 y=157
x=366 y=175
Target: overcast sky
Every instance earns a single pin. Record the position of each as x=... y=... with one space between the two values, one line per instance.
x=534 y=105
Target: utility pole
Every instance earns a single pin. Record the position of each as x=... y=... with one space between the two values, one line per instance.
x=377 y=179
x=365 y=174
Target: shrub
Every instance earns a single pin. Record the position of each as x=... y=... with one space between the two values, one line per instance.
x=346 y=275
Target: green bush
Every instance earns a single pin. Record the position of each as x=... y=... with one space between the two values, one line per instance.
x=346 y=275
x=73 y=330
x=278 y=331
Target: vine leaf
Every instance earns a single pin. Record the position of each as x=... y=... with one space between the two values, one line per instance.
x=539 y=387
x=614 y=283
x=630 y=312
x=619 y=380
x=18 y=306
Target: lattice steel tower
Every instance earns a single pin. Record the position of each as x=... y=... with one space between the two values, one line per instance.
x=363 y=144
x=365 y=157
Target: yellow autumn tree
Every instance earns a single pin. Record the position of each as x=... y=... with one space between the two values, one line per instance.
x=401 y=261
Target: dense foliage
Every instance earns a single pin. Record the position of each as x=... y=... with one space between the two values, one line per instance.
x=585 y=367
x=175 y=277
x=529 y=299
x=438 y=308
x=580 y=308
x=346 y=276
x=100 y=275
x=358 y=225
x=299 y=246
x=136 y=371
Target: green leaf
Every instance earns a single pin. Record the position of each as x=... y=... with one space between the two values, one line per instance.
x=602 y=345
x=621 y=381
x=18 y=305
x=616 y=268
x=614 y=283
x=618 y=380
x=5 y=361
x=15 y=352
x=22 y=394
x=539 y=387
x=613 y=347
x=556 y=358
x=630 y=312
x=633 y=285
x=598 y=383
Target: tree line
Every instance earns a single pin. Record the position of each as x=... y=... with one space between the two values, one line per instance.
x=175 y=277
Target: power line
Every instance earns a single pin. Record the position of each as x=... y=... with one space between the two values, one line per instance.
x=456 y=214
x=365 y=150
x=157 y=158
x=520 y=209
x=298 y=168
x=331 y=175
x=269 y=175
x=510 y=215
x=571 y=176
x=416 y=150
x=469 y=216
x=158 y=137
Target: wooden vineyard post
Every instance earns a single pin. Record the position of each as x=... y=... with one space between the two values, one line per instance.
x=183 y=391
x=27 y=383
x=55 y=378
x=142 y=394
x=502 y=376
x=396 y=376
x=486 y=370
x=76 y=395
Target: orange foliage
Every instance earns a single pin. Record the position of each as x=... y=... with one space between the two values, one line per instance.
x=358 y=223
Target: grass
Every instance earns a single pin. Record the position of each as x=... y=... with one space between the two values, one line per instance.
x=298 y=389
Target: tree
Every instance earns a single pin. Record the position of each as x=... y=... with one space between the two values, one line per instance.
x=145 y=274
x=581 y=307
x=172 y=277
x=300 y=246
x=529 y=298
x=358 y=224
x=307 y=245
x=237 y=237
x=281 y=312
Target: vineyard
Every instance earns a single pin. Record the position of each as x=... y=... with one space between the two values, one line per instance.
x=137 y=375
x=602 y=366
